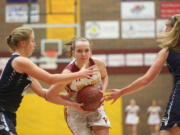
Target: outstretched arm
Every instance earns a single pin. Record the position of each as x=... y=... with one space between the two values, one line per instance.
x=54 y=97
x=52 y=94
x=24 y=65
x=143 y=81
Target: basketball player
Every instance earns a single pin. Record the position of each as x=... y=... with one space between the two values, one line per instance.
x=154 y=117
x=132 y=117
x=170 y=52
x=90 y=122
x=20 y=73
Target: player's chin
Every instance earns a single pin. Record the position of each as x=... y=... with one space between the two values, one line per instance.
x=84 y=60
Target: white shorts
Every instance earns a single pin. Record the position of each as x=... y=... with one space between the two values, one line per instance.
x=132 y=119
x=80 y=123
x=153 y=120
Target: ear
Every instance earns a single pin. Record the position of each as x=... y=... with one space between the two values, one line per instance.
x=21 y=43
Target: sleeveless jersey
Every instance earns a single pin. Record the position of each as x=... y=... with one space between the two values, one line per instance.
x=12 y=85
x=173 y=63
x=78 y=84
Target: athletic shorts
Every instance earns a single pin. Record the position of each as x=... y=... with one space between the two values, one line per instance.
x=172 y=113
x=6 y=125
x=80 y=123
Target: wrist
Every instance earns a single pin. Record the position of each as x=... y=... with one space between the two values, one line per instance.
x=78 y=74
x=121 y=92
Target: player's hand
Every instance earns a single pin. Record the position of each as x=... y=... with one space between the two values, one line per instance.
x=113 y=94
x=88 y=72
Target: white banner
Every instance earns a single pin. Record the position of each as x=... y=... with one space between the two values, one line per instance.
x=102 y=29
x=149 y=58
x=19 y=13
x=138 y=29
x=137 y=10
x=135 y=59
x=116 y=60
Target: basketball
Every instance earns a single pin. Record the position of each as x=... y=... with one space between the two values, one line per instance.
x=91 y=97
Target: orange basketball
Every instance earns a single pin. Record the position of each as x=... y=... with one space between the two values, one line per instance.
x=91 y=97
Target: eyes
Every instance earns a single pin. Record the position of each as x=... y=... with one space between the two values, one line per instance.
x=81 y=50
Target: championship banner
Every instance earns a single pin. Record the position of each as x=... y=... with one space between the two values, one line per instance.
x=169 y=8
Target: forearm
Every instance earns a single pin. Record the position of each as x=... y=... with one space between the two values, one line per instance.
x=60 y=100
x=135 y=86
x=64 y=78
x=38 y=89
x=104 y=84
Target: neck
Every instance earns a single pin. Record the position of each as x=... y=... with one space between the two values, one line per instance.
x=21 y=52
x=80 y=65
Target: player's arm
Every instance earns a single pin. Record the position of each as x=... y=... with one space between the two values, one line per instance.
x=38 y=89
x=143 y=81
x=24 y=65
x=55 y=89
x=54 y=97
x=104 y=75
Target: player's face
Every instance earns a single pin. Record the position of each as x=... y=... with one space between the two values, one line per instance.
x=30 y=45
x=168 y=26
x=82 y=51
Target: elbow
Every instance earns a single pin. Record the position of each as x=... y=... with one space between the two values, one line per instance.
x=146 y=81
x=48 y=96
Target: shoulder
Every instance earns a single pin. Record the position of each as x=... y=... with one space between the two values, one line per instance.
x=128 y=107
x=21 y=60
x=72 y=67
x=98 y=62
x=137 y=107
x=164 y=51
x=65 y=71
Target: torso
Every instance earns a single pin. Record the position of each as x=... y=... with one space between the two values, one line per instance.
x=173 y=62
x=154 y=110
x=78 y=84
x=12 y=85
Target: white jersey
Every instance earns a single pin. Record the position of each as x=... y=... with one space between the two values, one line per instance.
x=154 y=117
x=78 y=122
x=78 y=84
x=132 y=114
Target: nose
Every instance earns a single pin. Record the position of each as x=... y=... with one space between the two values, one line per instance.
x=83 y=53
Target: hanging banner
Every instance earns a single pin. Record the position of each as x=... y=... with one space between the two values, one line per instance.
x=102 y=29
x=138 y=29
x=169 y=8
x=20 y=1
x=19 y=13
x=137 y=10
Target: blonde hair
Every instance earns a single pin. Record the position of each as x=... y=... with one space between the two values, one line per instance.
x=172 y=39
x=18 y=34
